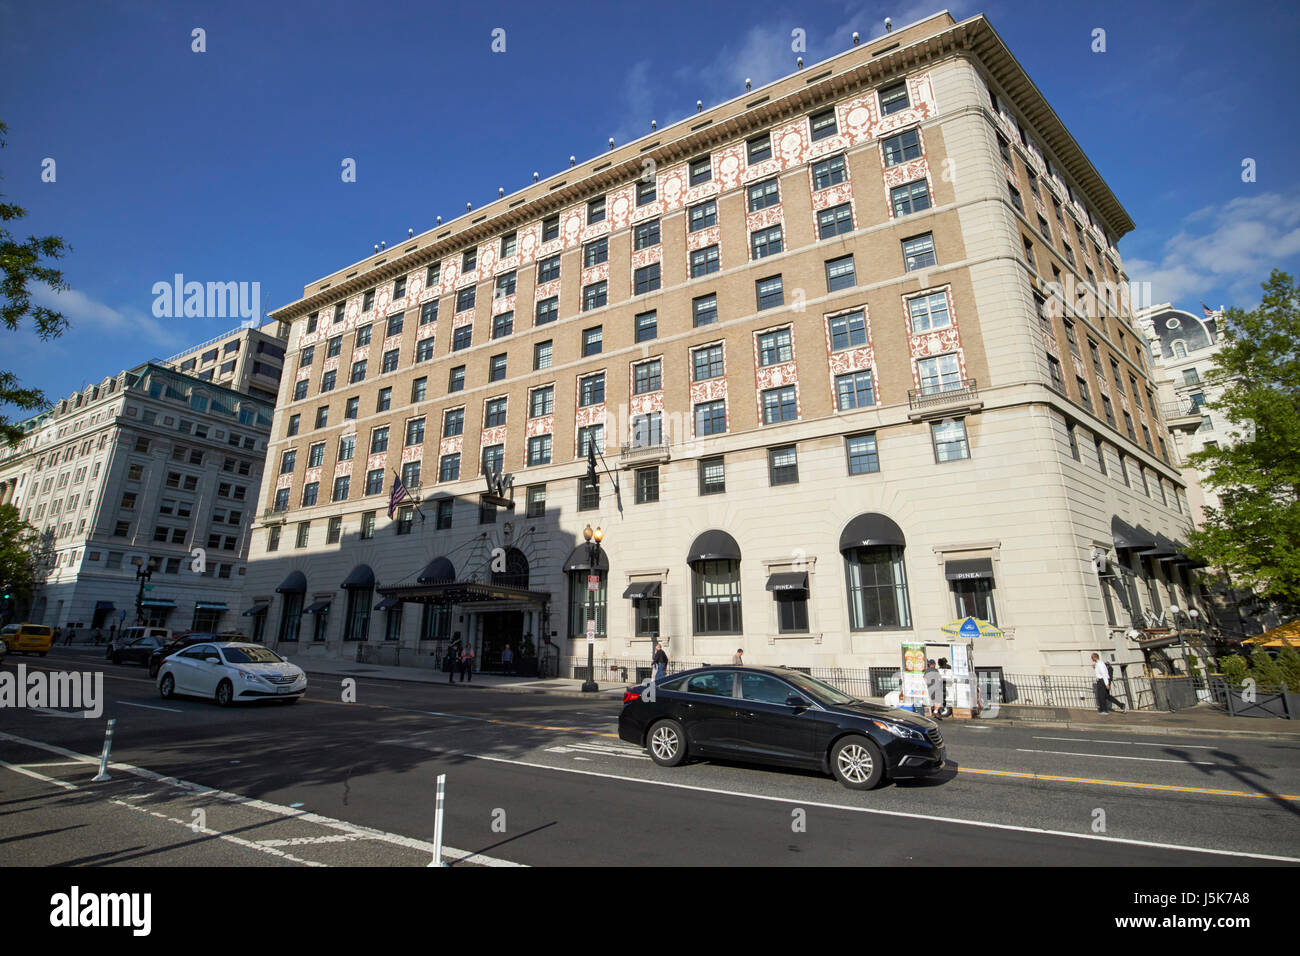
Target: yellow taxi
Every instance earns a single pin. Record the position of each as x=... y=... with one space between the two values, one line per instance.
x=28 y=638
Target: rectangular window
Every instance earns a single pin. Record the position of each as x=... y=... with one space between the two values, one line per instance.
x=588 y=494
x=595 y=252
x=390 y=360
x=347 y=447
x=918 y=252
x=309 y=492
x=855 y=390
x=647 y=485
x=713 y=476
x=828 y=172
x=834 y=221
x=497 y=368
x=764 y=194
x=591 y=436
x=542 y=352
x=596 y=211
x=541 y=401
x=910 y=197
x=949 y=440
x=862 y=455
x=595 y=295
x=770 y=293
x=591 y=341
x=759 y=148
x=375 y=481
x=840 y=274
x=646 y=326
x=411 y=474
x=449 y=467
x=548 y=270
x=539 y=450
x=384 y=399
x=765 y=242
x=429 y=312
x=647 y=430
x=646 y=235
x=702 y=215
x=779 y=405
x=775 y=348
x=893 y=98
x=783 y=465
x=707 y=363
x=327 y=381
x=848 y=331
x=358 y=372
x=939 y=374
x=548 y=310
x=711 y=418
x=300 y=390
x=705 y=310
x=505 y=285
x=419 y=389
x=903 y=147
x=304 y=529
x=701 y=170
x=469 y=260
x=453 y=422
x=821 y=125
x=379 y=440
x=536 y=498
x=322 y=416
x=341 y=488
x=929 y=312
x=415 y=431
x=442 y=520
x=335 y=346
x=394 y=325
x=423 y=349
x=646 y=377
x=465 y=298
x=462 y=338
x=646 y=279
x=704 y=261
x=551 y=228
x=1019 y=203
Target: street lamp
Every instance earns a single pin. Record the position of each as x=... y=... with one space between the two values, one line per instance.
x=593 y=539
x=143 y=572
x=1174 y=611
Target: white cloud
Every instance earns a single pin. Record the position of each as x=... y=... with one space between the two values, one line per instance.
x=1226 y=249
x=88 y=317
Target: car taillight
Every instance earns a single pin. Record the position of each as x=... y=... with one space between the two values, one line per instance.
x=630 y=695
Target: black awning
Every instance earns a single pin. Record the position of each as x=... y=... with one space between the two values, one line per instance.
x=1129 y=538
x=465 y=592
x=387 y=604
x=642 y=590
x=714 y=545
x=787 y=581
x=1156 y=643
x=295 y=583
x=1164 y=550
x=361 y=577
x=968 y=569
x=439 y=569
x=315 y=606
x=580 y=559
x=256 y=609
x=870 y=530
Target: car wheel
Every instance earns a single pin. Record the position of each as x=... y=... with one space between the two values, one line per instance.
x=857 y=763
x=667 y=743
x=225 y=693
x=168 y=687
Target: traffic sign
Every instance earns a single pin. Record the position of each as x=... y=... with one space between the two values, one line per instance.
x=593 y=582
x=591 y=631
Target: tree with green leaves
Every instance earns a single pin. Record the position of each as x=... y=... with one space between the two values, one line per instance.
x=1252 y=535
x=23 y=263
x=19 y=575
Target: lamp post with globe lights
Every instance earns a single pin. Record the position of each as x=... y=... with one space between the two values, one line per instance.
x=593 y=539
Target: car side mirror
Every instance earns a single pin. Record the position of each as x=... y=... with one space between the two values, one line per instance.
x=794 y=700
x=213 y=660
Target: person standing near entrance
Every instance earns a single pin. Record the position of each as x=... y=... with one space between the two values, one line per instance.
x=466 y=663
x=508 y=660
x=660 y=661
x=739 y=657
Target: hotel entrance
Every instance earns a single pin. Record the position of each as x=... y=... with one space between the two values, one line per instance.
x=497 y=629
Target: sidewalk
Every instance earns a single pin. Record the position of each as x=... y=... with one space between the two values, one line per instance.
x=1201 y=720
x=558 y=687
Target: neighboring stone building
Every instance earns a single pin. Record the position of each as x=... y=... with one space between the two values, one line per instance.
x=815 y=335
x=245 y=360
x=149 y=464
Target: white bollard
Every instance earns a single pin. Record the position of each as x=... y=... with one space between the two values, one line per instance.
x=103 y=758
x=437 y=822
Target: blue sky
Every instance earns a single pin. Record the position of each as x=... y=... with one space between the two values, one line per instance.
x=225 y=165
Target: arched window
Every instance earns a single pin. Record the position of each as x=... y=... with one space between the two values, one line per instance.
x=515 y=574
x=872 y=546
x=1180 y=349
x=715 y=584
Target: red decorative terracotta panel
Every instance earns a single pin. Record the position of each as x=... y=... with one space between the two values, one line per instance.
x=451 y=446
x=504 y=304
x=543 y=425
x=392 y=342
x=342 y=468
x=546 y=289
x=495 y=435
x=590 y=415
x=283 y=481
x=310 y=475
x=595 y=273
x=412 y=453
x=646 y=403
x=648 y=256
x=702 y=238
x=771 y=216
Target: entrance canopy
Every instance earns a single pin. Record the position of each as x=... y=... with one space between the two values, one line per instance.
x=869 y=531
x=1129 y=538
x=714 y=546
x=295 y=583
x=580 y=559
x=465 y=592
x=361 y=577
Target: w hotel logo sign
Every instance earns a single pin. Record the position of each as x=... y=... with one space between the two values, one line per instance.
x=501 y=490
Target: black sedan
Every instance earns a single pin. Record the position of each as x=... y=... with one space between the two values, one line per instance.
x=175 y=644
x=779 y=716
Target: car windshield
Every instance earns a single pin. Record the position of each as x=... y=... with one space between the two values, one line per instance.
x=818 y=690
x=252 y=655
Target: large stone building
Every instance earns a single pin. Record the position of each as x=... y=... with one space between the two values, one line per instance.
x=146 y=467
x=857 y=346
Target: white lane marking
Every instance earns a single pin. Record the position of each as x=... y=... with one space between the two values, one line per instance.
x=170 y=710
x=361 y=832
x=1071 y=753
x=55 y=763
x=228 y=838
x=1127 y=743
x=889 y=813
x=598 y=749
x=38 y=776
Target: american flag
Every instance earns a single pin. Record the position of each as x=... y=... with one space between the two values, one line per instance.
x=1209 y=313
x=397 y=495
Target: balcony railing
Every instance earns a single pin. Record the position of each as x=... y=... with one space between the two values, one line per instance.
x=1185 y=414
x=962 y=394
x=644 y=452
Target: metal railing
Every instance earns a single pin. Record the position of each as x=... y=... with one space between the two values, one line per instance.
x=637 y=451
x=964 y=390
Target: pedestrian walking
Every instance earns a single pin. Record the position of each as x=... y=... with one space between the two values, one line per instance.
x=67 y=635
x=739 y=657
x=467 y=663
x=508 y=659
x=1101 y=686
x=451 y=662
x=660 y=660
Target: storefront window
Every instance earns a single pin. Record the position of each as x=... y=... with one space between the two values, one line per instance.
x=974 y=598
x=716 y=592
x=877 y=585
x=579 y=598
x=291 y=617
x=359 y=601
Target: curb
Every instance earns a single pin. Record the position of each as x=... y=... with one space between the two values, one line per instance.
x=1282 y=735
x=607 y=694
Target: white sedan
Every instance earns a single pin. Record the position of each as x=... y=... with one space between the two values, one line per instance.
x=229 y=671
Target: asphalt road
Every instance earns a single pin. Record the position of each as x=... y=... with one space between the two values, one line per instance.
x=545 y=781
